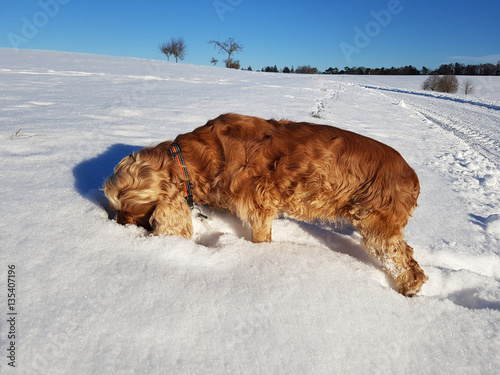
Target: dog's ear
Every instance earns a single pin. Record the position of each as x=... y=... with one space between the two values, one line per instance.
x=172 y=216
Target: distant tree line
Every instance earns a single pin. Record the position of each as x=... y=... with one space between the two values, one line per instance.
x=444 y=69
x=406 y=70
x=305 y=69
x=469 y=70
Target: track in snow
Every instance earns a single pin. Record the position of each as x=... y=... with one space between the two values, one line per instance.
x=475 y=122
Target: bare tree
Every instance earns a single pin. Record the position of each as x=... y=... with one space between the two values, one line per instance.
x=166 y=49
x=431 y=83
x=448 y=83
x=468 y=87
x=179 y=49
x=176 y=48
x=229 y=47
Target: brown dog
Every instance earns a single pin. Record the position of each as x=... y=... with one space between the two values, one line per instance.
x=258 y=169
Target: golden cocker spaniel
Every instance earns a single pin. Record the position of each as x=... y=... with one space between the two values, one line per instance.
x=259 y=169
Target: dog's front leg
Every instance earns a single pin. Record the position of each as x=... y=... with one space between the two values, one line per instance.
x=261 y=230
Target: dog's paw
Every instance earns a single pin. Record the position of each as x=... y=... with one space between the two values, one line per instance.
x=410 y=282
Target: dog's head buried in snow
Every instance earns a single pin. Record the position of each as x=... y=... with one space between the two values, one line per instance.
x=258 y=169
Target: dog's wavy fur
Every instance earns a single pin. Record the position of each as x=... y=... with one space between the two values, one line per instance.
x=259 y=169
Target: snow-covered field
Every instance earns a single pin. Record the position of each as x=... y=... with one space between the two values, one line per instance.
x=94 y=297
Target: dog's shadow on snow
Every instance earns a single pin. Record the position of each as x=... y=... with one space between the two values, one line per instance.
x=90 y=174
x=339 y=238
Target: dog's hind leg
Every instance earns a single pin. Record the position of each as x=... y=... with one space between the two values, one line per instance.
x=412 y=277
x=397 y=259
x=385 y=241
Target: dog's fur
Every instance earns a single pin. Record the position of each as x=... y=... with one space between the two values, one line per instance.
x=258 y=169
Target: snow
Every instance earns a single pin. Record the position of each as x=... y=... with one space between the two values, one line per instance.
x=94 y=297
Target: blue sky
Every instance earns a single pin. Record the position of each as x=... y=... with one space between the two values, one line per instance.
x=321 y=33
